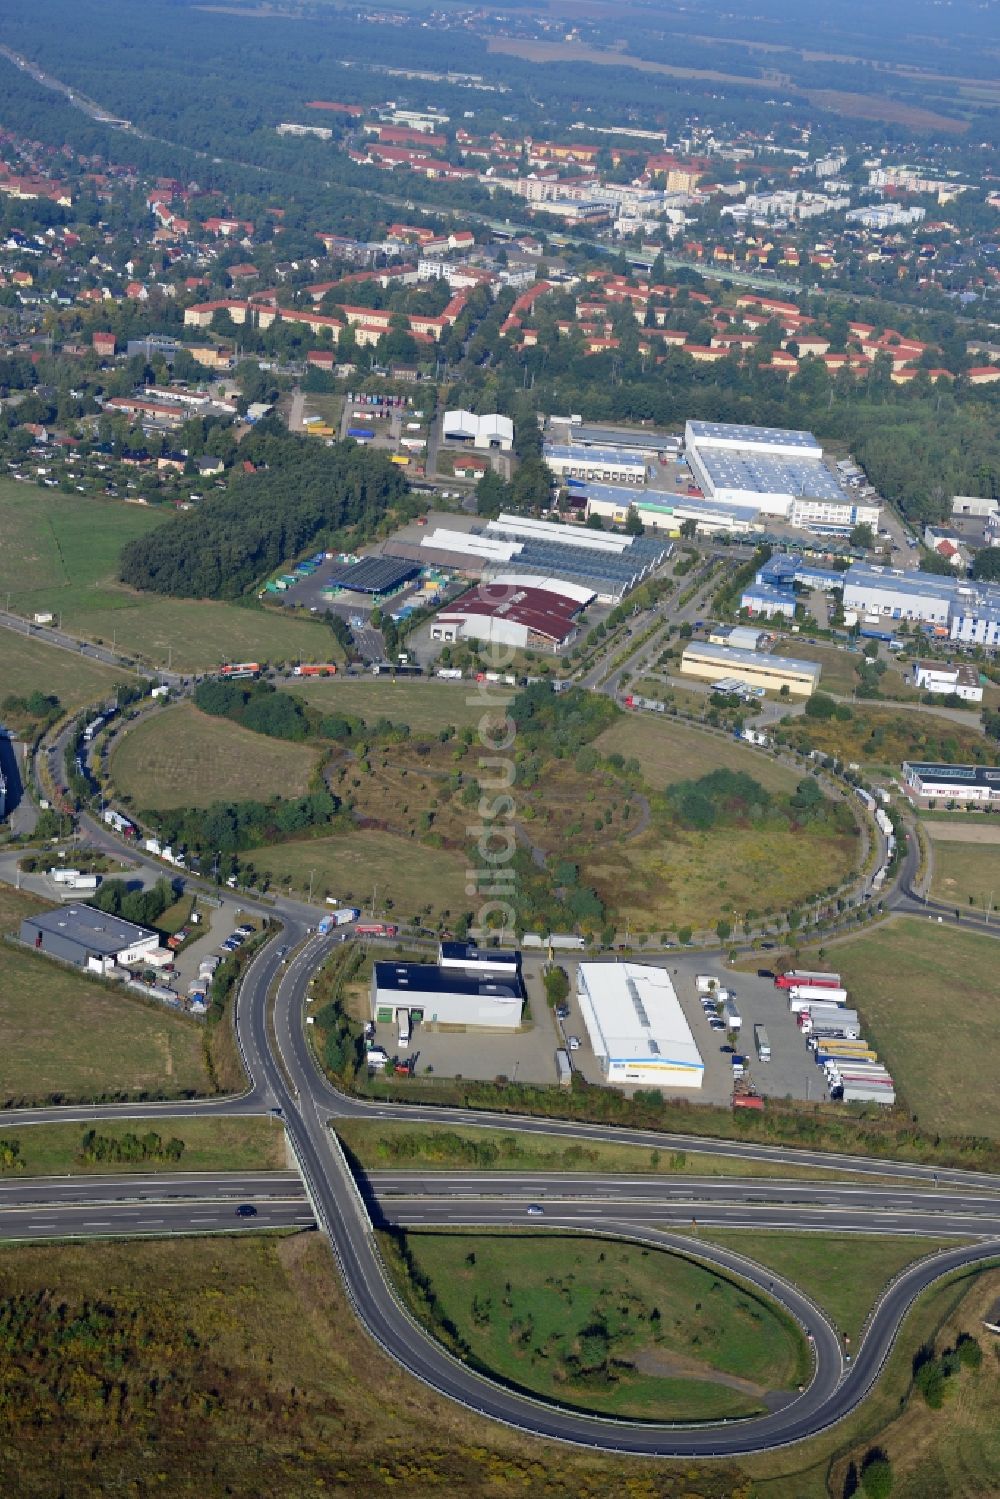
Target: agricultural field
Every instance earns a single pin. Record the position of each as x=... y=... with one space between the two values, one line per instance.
x=29 y=665
x=60 y=555
x=425 y=706
x=66 y=1037
x=967 y=873
x=409 y=879
x=607 y=1326
x=924 y=994
x=218 y=1144
x=61 y=551
x=184 y=758
x=669 y=751
x=882 y=738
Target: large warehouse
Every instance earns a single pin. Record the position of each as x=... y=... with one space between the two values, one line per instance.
x=661 y=510
x=637 y=1027
x=967 y=611
x=465 y=987
x=89 y=938
x=926 y=781
x=715 y=663
x=609 y=566
x=514 y=614
x=779 y=473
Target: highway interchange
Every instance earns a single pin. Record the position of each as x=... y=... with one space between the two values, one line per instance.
x=667 y=1212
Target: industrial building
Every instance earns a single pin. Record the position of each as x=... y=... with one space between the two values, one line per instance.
x=373 y=575
x=951 y=680
x=484 y=432
x=89 y=938
x=958 y=608
x=739 y=637
x=752 y=668
x=642 y=441
x=515 y=614
x=466 y=987
x=661 y=510
x=607 y=465
x=773 y=590
x=975 y=784
x=608 y=566
x=776 y=472
x=636 y=1026
x=765 y=598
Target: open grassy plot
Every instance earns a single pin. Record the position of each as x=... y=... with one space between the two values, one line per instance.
x=967 y=873
x=399 y=1145
x=67 y=1037
x=194 y=1337
x=669 y=751
x=60 y=550
x=184 y=758
x=843 y=1275
x=607 y=1326
x=196 y=634
x=665 y=883
x=349 y=866
x=209 y=1145
x=425 y=706
x=29 y=665
x=927 y=996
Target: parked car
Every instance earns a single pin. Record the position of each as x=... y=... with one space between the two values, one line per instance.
x=574 y=1043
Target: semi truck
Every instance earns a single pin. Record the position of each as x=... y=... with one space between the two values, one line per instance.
x=564 y=1069
x=403 y=1022
x=376 y=929
x=796 y=977
x=858 y=1093
x=343 y=917
x=761 y=1042
x=809 y=994
x=319 y=669
x=118 y=822
x=558 y=941
x=731 y=1015
x=235 y=671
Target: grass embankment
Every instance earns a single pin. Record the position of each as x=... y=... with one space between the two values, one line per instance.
x=29 y=665
x=222 y=1144
x=965 y=873
x=184 y=758
x=882 y=738
x=425 y=706
x=68 y=1038
x=601 y=1325
x=952 y=1453
x=924 y=995
x=195 y=1341
x=843 y=1274
x=397 y=1145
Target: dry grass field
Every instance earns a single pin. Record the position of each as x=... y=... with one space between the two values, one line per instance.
x=66 y=1037
x=967 y=873
x=351 y=866
x=928 y=998
x=425 y=706
x=669 y=751
x=29 y=665
x=184 y=758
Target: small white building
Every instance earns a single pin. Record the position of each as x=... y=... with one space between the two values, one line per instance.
x=485 y=432
x=636 y=1026
x=948 y=678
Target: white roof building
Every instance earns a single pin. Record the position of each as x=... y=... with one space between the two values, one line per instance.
x=491 y=431
x=637 y=1027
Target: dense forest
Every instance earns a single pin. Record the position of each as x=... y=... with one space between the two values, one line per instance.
x=300 y=493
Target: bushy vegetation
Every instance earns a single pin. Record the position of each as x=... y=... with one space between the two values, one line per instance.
x=234 y=539
x=559 y=723
x=144 y=907
x=728 y=798
x=257 y=706
x=226 y=827
x=95 y=1148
